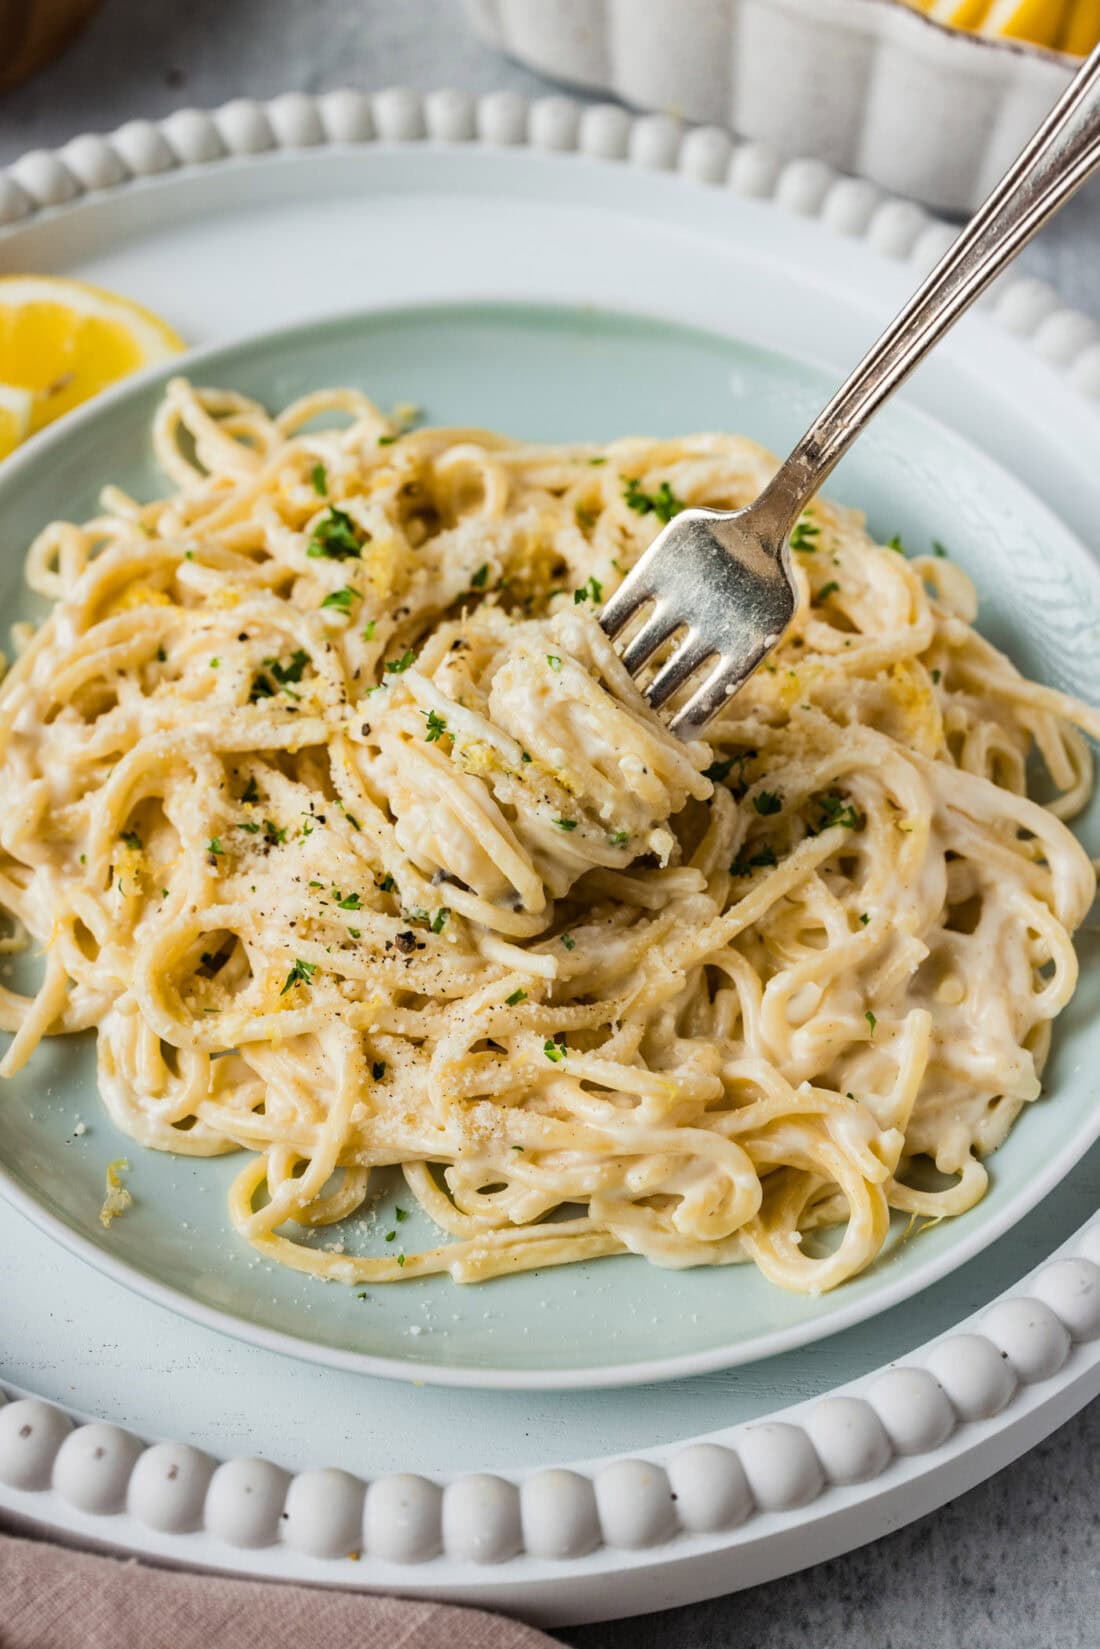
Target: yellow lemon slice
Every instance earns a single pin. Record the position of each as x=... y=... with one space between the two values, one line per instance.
x=1081 y=29
x=959 y=14
x=16 y=406
x=62 y=341
x=1036 y=20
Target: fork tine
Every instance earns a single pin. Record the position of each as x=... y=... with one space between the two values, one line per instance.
x=716 y=690
x=620 y=608
x=657 y=628
x=683 y=663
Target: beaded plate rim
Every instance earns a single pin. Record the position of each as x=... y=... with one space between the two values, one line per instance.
x=44 y=182
x=971 y=1389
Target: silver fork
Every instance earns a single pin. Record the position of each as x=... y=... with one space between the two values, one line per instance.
x=725 y=576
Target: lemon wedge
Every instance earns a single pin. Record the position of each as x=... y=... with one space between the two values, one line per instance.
x=61 y=342
x=1069 y=25
x=1081 y=29
x=16 y=406
x=959 y=14
x=1036 y=20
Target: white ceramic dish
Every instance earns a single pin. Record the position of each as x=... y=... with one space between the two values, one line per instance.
x=586 y=373
x=762 y=1487
x=869 y=86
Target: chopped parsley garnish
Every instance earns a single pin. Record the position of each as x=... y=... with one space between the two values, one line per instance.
x=251 y=792
x=398 y=666
x=250 y=826
x=523 y=756
x=553 y=1051
x=566 y=824
x=768 y=802
x=391 y=1236
x=864 y=917
x=400 y=1215
x=387 y=884
x=663 y=503
x=350 y=901
x=618 y=838
x=871 y=1020
x=340 y=600
x=400 y=1259
x=319 y=476
x=437 y=726
x=804 y=534
x=439 y=919
x=356 y=933
x=162 y=656
x=595 y=461
x=936 y=675
x=592 y=591
x=214 y=663
x=554 y=662
x=300 y=974
x=386 y=440
x=516 y=996
x=284 y=674
x=350 y=817
x=273 y=836
x=477 y=580
x=334 y=536
x=291 y=672
x=568 y=941
x=836 y=810
x=214 y=847
x=896 y=544
x=938 y=549
x=763 y=859
x=132 y=839
x=378 y=1069
x=719 y=770
x=827 y=590
x=368 y=630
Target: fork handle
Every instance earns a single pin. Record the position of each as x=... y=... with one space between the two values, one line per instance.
x=1064 y=152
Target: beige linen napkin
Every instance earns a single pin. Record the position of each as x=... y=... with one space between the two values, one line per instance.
x=52 y=1598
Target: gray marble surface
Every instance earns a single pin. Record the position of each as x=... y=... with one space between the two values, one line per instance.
x=1015 y=1564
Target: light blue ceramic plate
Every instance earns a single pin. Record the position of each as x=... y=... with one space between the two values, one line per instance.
x=551 y=374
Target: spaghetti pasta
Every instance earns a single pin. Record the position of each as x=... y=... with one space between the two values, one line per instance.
x=342 y=823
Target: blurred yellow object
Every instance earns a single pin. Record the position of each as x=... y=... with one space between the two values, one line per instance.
x=15 y=417
x=1039 y=21
x=61 y=342
x=1081 y=30
x=1063 y=25
x=32 y=32
x=958 y=14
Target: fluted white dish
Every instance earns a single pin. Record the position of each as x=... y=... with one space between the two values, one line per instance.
x=869 y=86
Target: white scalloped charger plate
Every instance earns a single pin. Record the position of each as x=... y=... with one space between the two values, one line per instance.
x=296 y=234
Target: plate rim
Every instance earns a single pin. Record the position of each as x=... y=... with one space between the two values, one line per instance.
x=890 y=1293
x=601 y=1568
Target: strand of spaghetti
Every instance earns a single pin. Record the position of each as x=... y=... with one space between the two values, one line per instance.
x=341 y=820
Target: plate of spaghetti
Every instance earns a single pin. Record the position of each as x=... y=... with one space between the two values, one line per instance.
x=367 y=928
